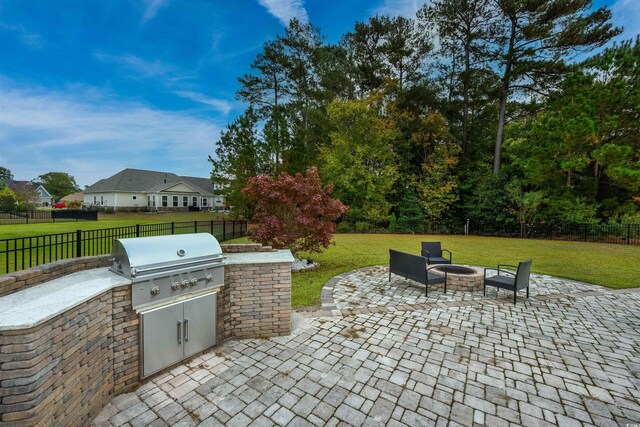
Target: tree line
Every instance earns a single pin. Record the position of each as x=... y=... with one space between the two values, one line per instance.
x=493 y=111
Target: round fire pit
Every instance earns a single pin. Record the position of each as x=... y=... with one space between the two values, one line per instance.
x=461 y=277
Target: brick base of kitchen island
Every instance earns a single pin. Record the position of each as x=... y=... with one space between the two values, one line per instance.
x=64 y=370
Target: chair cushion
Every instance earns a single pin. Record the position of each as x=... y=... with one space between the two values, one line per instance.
x=504 y=282
x=435 y=278
x=438 y=260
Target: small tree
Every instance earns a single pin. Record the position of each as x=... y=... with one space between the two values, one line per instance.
x=410 y=215
x=8 y=199
x=294 y=212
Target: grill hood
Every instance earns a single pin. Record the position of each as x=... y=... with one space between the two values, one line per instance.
x=143 y=256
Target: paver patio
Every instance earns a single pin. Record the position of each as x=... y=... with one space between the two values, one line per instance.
x=568 y=356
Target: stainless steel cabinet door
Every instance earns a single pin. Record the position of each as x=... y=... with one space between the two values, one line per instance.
x=199 y=324
x=163 y=338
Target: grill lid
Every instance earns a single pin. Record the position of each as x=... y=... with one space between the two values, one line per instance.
x=146 y=255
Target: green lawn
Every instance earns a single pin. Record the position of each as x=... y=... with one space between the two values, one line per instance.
x=614 y=266
x=8 y=231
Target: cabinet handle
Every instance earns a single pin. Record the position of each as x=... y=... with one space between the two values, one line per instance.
x=186 y=330
x=179 y=332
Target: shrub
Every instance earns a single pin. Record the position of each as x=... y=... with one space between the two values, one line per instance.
x=8 y=199
x=294 y=212
x=74 y=204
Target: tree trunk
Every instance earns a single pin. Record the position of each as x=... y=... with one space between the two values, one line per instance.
x=504 y=96
x=465 y=94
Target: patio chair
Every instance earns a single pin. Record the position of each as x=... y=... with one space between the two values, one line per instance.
x=414 y=267
x=432 y=251
x=508 y=280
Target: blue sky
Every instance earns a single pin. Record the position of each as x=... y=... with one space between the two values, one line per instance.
x=93 y=87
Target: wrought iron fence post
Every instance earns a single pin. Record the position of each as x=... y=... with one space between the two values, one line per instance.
x=195 y=226
x=211 y=227
x=137 y=230
x=585 y=232
x=224 y=230
x=628 y=234
x=173 y=227
x=233 y=229
x=78 y=243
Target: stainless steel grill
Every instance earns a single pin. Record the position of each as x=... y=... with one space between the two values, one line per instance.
x=175 y=279
x=163 y=267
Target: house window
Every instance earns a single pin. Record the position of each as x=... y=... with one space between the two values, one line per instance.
x=153 y=201
x=204 y=202
x=102 y=200
x=164 y=201
x=95 y=200
x=175 y=201
x=185 y=201
x=194 y=201
x=135 y=197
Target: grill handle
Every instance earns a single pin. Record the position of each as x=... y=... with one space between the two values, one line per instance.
x=186 y=330
x=179 y=332
x=137 y=271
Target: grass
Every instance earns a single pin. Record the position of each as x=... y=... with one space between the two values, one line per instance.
x=9 y=231
x=613 y=266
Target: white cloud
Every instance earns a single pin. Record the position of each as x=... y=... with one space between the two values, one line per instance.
x=91 y=135
x=221 y=105
x=405 y=8
x=286 y=10
x=30 y=39
x=626 y=13
x=151 y=9
x=141 y=67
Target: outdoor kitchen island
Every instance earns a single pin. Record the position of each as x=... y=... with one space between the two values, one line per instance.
x=69 y=345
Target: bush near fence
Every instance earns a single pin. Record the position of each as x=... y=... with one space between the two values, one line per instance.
x=24 y=252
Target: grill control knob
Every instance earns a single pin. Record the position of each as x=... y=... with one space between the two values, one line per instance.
x=155 y=290
x=184 y=283
x=193 y=281
x=209 y=278
x=175 y=286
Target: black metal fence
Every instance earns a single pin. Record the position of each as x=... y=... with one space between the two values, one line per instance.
x=25 y=252
x=622 y=234
x=34 y=216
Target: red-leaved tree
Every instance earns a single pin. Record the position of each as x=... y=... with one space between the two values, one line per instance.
x=293 y=212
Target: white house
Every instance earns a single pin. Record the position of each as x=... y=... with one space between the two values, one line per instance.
x=135 y=188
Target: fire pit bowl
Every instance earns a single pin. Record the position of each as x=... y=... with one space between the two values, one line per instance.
x=464 y=278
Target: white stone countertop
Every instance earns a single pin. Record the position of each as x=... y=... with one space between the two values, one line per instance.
x=35 y=305
x=282 y=255
x=32 y=306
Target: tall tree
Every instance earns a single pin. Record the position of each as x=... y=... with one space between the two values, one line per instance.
x=5 y=175
x=58 y=184
x=238 y=158
x=535 y=39
x=359 y=159
x=386 y=48
x=464 y=28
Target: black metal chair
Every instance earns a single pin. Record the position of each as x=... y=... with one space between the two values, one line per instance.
x=508 y=280
x=414 y=267
x=432 y=251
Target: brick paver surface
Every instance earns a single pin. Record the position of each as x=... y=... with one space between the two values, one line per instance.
x=568 y=356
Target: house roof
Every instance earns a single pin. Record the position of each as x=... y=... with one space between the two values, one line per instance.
x=21 y=186
x=25 y=187
x=79 y=197
x=138 y=180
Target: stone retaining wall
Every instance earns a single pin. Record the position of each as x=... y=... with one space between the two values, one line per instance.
x=62 y=372
x=65 y=370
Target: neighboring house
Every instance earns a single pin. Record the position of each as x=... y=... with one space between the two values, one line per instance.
x=29 y=193
x=135 y=188
x=75 y=197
